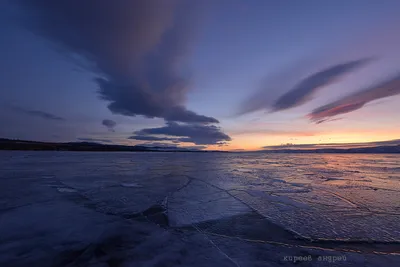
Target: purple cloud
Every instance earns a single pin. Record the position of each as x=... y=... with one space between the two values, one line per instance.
x=303 y=91
x=134 y=48
x=194 y=133
x=357 y=100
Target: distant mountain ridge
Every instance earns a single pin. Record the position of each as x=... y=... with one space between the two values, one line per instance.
x=370 y=150
x=10 y=144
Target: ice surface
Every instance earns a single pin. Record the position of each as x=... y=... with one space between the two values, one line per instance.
x=198 y=209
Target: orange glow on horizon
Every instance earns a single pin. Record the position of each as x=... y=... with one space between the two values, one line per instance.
x=251 y=142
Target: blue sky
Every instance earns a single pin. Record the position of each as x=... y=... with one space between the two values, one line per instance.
x=188 y=66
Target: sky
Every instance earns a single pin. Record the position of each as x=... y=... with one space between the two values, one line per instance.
x=221 y=74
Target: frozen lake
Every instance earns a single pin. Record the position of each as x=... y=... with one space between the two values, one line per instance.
x=198 y=209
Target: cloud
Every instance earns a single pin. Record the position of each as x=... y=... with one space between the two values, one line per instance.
x=38 y=113
x=357 y=100
x=110 y=124
x=267 y=131
x=94 y=140
x=303 y=91
x=193 y=133
x=134 y=48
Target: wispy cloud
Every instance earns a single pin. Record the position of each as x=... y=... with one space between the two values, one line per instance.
x=303 y=91
x=135 y=49
x=357 y=100
x=264 y=132
x=38 y=113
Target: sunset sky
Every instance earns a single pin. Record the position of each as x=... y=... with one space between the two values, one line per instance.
x=221 y=74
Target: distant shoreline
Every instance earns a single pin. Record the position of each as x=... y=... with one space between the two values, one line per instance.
x=24 y=145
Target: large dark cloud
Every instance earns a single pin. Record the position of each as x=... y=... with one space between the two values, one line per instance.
x=357 y=100
x=135 y=48
x=38 y=113
x=110 y=124
x=303 y=91
x=194 y=133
